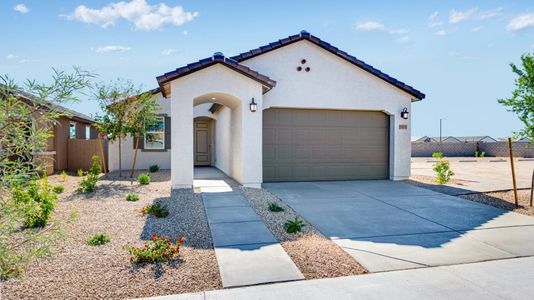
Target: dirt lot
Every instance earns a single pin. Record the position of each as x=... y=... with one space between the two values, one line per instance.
x=78 y=270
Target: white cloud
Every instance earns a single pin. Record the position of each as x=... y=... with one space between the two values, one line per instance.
x=376 y=26
x=185 y=33
x=521 y=22
x=21 y=8
x=139 y=12
x=404 y=40
x=168 y=52
x=477 y=29
x=440 y=32
x=433 y=21
x=18 y=59
x=12 y=56
x=455 y=54
x=456 y=16
x=111 y=49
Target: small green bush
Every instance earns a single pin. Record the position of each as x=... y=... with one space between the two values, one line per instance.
x=153 y=168
x=157 y=210
x=37 y=200
x=293 y=226
x=480 y=154
x=158 y=249
x=143 y=178
x=80 y=173
x=58 y=189
x=88 y=184
x=95 y=168
x=132 y=197
x=63 y=176
x=437 y=155
x=443 y=171
x=98 y=239
x=274 y=207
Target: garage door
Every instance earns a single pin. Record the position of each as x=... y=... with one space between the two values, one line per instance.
x=308 y=145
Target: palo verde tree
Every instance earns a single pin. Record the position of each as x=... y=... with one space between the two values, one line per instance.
x=142 y=114
x=522 y=100
x=115 y=120
x=28 y=113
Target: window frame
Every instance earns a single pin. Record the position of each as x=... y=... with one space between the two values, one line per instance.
x=162 y=132
x=72 y=125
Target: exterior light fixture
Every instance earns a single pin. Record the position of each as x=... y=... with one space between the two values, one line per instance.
x=253 y=106
x=404 y=114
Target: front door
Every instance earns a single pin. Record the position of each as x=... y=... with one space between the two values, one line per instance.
x=202 y=141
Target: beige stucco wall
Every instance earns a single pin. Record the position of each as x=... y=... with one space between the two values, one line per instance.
x=334 y=83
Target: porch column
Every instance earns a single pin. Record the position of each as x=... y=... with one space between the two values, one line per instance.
x=252 y=142
x=181 y=138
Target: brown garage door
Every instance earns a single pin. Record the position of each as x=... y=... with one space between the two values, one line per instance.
x=308 y=144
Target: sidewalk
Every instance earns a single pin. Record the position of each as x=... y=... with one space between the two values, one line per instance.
x=501 y=279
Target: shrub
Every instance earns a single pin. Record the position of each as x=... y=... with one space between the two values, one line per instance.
x=274 y=207
x=95 y=166
x=38 y=201
x=132 y=197
x=157 y=210
x=157 y=249
x=80 y=173
x=58 y=189
x=437 y=155
x=98 y=239
x=143 y=178
x=480 y=153
x=88 y=184
x=443 y=171
x=293 y=226
x=153 y=168
x=63 y=176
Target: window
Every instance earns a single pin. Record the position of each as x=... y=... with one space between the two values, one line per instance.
x=155 y=134
x=87 y=132
x=72 y=130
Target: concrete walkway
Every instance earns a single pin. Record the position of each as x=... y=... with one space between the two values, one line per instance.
x=503 y=279
x=247 y=252
x=388 y=225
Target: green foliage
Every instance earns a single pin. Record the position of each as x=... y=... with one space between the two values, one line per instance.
x=443 y=171
x=157 y=210
x=132 y=197
x=88 y=184
x=437 y=155
x=153 y=168
x=95 y=166
x=98 y=239
x=38 y=201
x=294 y=225
x=63 y=176
x=80 y=173
x=58 y=189
x=522 y=100
x=274 y=207
x=480 y=154
x=158 y=249
x=143 y=178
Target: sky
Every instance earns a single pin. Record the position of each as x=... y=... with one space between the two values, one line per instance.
x=456 y=52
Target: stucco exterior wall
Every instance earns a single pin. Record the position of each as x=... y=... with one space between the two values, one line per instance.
x=333 y=83
x=223 y=140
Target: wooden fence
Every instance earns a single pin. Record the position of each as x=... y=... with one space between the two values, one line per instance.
x=80 y=153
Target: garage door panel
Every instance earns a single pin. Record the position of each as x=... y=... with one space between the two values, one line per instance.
x=304 y=144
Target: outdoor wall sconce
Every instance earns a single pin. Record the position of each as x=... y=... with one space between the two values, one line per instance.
x=253 y=106
x=404 y=114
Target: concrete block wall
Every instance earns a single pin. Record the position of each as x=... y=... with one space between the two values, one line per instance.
x=497 y=149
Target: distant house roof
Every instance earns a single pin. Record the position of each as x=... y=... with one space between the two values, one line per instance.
x=217 y=58
x=481 y=138
x=522 y=140
x=342 y=54
x=423 y=139
x=67 y=112
x=446 y=139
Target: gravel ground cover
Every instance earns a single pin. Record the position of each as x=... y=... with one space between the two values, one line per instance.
x=505 y=200
x=78 y=270
x=315 y=255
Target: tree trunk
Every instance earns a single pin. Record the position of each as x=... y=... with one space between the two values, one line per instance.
x=135 y=156
x=120 y=158
x=102 y=154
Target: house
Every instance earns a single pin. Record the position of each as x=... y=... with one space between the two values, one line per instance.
x=423 y=139
x=445 y=139
x=297 y=109
x=70 y=126
x=476 y=139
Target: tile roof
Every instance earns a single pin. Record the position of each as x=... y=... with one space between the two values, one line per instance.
x=315 y=40
x=217 y=58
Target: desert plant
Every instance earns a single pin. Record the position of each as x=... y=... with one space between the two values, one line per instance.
x=157 y=210
x=132 y=197
x=38 y=201
x=153 y=168
x=480 y=154
x=143 y=178
x=95 y=166
x=294 y=225
x=88 y=184
x=158 y=249
x=98 y=239
x=443 y=171
x=437 y=155
x=63 y=175
x=274 y=207
x=80 y=173
x=58 y=189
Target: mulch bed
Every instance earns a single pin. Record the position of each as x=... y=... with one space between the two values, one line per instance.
x=78 y=270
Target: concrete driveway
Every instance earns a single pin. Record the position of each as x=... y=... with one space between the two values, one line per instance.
x=388 y=225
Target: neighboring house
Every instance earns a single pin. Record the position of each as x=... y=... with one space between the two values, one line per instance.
x=446 y=139
x=423 y=139
x=298 y=109
x=71 y=125
x=520 y=140
x=475 y=139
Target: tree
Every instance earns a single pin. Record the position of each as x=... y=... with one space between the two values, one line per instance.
x=27 y=116
x=522 y=100
x=114 y=122
x=142 y=114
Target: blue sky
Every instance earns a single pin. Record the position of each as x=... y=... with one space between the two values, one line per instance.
x=457 y=52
